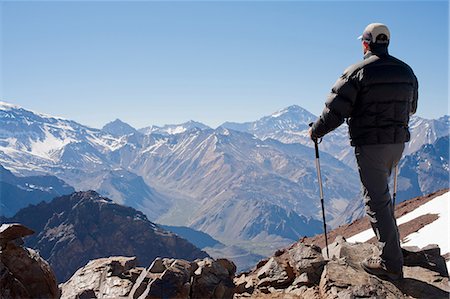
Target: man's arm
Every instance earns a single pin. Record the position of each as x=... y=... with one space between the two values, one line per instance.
x=338 y=106
x=413 y=103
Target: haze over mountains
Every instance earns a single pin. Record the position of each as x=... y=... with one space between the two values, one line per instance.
x=240 y=182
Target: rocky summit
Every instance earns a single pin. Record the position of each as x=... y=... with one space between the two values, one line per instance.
x=302 y=272
x=76 y=228
x=299 y=271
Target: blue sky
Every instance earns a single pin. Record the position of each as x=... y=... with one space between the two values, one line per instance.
x=169 y=62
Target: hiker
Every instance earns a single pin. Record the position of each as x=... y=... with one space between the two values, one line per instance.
x=376 y=97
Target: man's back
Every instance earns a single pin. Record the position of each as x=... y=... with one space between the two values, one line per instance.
x=385 y=99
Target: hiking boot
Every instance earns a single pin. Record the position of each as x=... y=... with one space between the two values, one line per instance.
x=377 y=267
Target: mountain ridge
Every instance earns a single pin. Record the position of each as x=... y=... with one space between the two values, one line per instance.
x=76 y=228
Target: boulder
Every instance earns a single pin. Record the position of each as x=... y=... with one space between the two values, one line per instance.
x=23 y=273
x=174 y=282
x=275 y=273
x=424 y=270
x=213 y=279
x=118 y=277
x=13 y=231
x=105 y=278
x=342 y=276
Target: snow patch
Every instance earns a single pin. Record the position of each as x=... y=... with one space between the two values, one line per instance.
x=437 y=232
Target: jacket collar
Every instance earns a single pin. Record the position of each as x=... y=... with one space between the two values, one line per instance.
x=377 y=52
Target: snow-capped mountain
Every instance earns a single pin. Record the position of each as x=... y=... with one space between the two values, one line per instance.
x=231 y=184
x=290 y=125
x=118 y=128
x=174 y=129
x=426 y=131
x=284 y=123
x=200 y=170
x=33 y=142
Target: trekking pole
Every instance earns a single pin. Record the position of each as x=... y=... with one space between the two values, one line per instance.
x=395 y=185
x=319 y=176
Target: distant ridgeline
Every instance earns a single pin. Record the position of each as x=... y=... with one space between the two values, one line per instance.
x=242 y=183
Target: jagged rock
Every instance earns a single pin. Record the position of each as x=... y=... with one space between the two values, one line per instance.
x=174 y=282
x=23 y=273
x=230 y=266
x=13 y=231
x=106 y=278
x=157 y=266
x=307 y=261
x=244 y=284
x=213 y=280
x=342 y=276
x=290 y=273
x=118 y=277
x=353 y=253
x=428 y=257
x=275 y=273
x=340 y=280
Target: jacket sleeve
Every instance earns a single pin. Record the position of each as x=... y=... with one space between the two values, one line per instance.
x=413 y=103
x=338 y=106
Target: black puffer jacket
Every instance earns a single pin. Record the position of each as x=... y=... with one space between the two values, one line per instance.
x=376 y=96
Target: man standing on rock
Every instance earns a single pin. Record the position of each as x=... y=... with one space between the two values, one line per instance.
x=376 y=97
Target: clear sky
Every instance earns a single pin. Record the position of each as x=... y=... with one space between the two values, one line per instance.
x=169 y=62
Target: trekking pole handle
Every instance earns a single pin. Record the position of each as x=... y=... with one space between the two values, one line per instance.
x=316 y=143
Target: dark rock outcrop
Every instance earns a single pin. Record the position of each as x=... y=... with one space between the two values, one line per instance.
x=301 y=272
x=83 y=226
x=23 y=273
x=118 y=277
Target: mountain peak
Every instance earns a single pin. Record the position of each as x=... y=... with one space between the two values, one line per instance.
x=174 y=128
x=118 y=128
x=291 y=109
x=90 y=195
x=8 y=106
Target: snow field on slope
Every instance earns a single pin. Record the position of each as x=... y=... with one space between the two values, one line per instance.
x=436 y=232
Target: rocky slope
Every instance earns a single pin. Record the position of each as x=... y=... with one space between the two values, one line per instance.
x=302 y=272
x=76 y=228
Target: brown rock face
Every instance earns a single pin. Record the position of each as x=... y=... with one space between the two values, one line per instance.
x=106 y=278
x=23 y=273
x=118 y=277
x=302 y=272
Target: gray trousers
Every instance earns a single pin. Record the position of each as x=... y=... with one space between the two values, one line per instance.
x=375 y=165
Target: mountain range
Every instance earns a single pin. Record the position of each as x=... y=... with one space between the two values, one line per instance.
x=245 y=182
